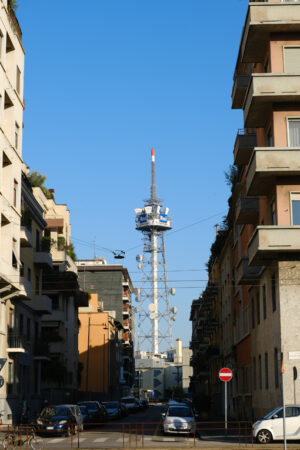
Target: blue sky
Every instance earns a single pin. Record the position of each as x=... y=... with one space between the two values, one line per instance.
x=107 y=80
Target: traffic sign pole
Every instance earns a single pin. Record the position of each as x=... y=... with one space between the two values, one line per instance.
x=225 y=375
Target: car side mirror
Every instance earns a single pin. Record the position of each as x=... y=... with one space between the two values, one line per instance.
x=163 y=414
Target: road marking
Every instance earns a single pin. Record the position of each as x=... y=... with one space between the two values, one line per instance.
x=103 y=439
x=121 y=439
x=169 y=439
x=56 y=440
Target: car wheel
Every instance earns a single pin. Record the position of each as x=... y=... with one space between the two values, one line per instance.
x=264 y=437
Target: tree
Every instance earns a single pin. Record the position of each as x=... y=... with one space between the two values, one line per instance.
x=38 y=180
x=13 y=4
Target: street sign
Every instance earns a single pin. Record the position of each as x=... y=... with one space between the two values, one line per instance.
x=1 y=382
x=2 y=362
x=225 y=374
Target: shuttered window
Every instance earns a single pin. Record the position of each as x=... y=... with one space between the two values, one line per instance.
x=294 y=132
x=291 y=59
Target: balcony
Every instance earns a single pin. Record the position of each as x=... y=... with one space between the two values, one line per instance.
x=16 y=344
x=274 y=242
x=247 y=210
x=43 y=260
x=239 y=90
x=25 y=237
x=244 y=144
x=268 y=163
x=57 y=316
x=42 y=304
x=41 y=351
x=246 y=274
x=263 y=19
x=265 y=89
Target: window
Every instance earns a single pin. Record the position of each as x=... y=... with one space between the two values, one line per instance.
x=37 y=285
x=22 y=269
x=257 y=309
x=37 y=240
x=1 y=44
x=253 y=312
x=291 y=59
x=21 y=324
x=295 y=208
x=254 y=373
x=266 y=371
x=273 y=285
x=294 y=132
x=28 y=329
x=259 y=373
x=270 y=137
x=17 y=135
x=15 y=192
x=18 y=80
x=276 y=375
x=273 y=213
x=28 y=274
x=264 y=297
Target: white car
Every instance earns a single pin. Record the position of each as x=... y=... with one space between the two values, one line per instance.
x=271 y=426
x=178 y=418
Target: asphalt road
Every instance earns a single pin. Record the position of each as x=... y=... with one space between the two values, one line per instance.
x=141 y=430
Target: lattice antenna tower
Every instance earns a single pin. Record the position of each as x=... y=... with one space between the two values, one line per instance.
x=154 y=313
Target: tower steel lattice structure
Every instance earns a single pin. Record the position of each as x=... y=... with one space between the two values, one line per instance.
x=154 y=312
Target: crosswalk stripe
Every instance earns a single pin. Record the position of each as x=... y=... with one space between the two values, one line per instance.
x=169 y=439
x=56 y=440
x=121 y=439
x=103 y=439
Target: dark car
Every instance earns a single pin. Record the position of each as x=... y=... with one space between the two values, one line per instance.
x=60 y=419
x=124 y=410
x=144 y=402
x=85 y=414
x=96 y=410
x=113 y=409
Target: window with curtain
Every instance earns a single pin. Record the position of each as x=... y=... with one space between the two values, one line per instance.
x=294 y=132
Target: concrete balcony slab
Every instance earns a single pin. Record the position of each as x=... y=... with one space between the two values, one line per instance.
x=262 y=19
x=43 y=259
x=266 y=89
x=25 y=237
x=274 y=242
x=267 y=163
x=42 y=304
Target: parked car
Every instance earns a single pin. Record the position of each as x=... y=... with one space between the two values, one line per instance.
x=85 y=415
x=130 y=403
x=124 y=409
x=60 y=419
x=96 y=410
x=178 y=418
x=270 y=427
x=113 y=409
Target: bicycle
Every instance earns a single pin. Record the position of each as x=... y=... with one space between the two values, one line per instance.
x=15 y=439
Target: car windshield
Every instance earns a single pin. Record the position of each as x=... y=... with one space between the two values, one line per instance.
x=90 y=406
x=270 y=414
x=111 y=404
x=50 y=411
x=83 y=409
x=179 y=411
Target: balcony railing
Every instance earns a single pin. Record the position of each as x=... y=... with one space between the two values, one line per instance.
x=247 y=210
x=16 y=343
x=240 y=86
x=245 y=142
x=246 y=274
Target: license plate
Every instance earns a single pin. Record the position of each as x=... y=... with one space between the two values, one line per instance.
x=49 y=428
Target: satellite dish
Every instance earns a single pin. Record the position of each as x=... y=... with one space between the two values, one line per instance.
x=174 y=310
x=140 y=266
x=139 y=258
x=153 y=315
x=119 y=254
x=173 y=318
x=137 y=299
x=172 y=291
x=152 y=307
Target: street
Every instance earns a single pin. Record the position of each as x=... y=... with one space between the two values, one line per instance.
x=141 y=430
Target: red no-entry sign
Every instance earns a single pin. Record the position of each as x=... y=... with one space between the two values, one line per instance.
x=225 y=374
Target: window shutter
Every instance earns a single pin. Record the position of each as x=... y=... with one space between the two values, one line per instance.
x=292 y=60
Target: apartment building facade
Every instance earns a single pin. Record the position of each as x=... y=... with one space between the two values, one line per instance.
x=100 y=353
x=264 y=219
x=11 y=122
x=113 y=285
